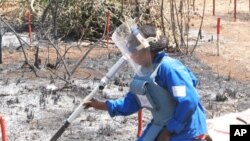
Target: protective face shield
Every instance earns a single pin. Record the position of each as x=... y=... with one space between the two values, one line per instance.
x=134 y=47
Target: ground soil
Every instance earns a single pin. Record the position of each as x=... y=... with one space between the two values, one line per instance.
x=234 y=46
x=34 y=113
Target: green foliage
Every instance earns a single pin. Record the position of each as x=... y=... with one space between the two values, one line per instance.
x=77 y=18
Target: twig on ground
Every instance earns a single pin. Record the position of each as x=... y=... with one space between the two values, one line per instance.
x=65 y=80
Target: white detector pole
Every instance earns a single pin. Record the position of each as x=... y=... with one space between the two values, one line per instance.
x=80 y=108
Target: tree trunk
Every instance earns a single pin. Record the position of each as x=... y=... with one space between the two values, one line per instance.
x=55 y=17
x=172 y=16
x=162 y=19
x=37 y=60
x=1 y=61
x=122 y=8
x=193 y=5
x=181 y=23
x=213 y=7
x=235 y=9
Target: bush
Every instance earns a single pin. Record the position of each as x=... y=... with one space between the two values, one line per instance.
x=80 y=18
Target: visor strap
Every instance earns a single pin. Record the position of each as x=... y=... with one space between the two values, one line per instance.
x=140 y=38
x=141 y=46
x=152 y=39
x=149 y=39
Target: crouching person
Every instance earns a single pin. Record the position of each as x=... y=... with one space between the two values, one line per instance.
x=161 y=84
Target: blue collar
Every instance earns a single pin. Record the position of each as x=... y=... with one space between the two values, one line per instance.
x=159 y=56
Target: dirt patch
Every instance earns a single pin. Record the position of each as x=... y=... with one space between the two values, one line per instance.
x=234 y=40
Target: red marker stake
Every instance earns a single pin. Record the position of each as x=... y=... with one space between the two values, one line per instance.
x=3 y=129
x=218 y=36
x=139 y=123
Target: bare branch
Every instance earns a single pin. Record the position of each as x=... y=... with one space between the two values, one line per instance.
x=65 y=80
x=203 y=13
x=65 y=66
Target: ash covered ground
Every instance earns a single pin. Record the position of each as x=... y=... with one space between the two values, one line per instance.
x=34 y=113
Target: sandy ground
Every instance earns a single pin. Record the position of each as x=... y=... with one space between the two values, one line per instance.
x=34 y=113
x=234 y=47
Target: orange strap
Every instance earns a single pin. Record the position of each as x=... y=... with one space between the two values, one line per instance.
x=200 y=137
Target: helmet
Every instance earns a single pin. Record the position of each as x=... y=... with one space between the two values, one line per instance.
x=159 y=42
x=137 y=45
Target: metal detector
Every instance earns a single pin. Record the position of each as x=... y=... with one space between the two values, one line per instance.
x=80 y=108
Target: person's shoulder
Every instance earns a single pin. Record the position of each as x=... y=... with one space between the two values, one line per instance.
x=166 y=65
x=170 y=63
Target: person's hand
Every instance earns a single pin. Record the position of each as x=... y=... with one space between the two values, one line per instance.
x=95 y=104
x=165 y=135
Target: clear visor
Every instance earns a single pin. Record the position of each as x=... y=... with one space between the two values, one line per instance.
x=137 y=53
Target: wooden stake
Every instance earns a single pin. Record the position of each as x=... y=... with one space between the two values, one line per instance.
x=235 y=5
x=213 y=7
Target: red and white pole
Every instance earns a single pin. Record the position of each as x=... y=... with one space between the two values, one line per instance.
x=139 y=124
x=3 y=128
x=218 y=36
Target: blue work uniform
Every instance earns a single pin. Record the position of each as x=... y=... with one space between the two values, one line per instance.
x=188 y=120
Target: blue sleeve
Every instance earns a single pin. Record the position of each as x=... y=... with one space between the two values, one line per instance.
x=123 y=106
x=178 y=80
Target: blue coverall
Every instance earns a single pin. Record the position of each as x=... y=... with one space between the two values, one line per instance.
x=188 y=120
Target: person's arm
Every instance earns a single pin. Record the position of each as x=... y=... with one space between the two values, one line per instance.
x=177 y=80
x=123 y=106
x=96 y=104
